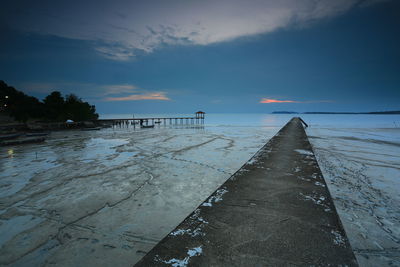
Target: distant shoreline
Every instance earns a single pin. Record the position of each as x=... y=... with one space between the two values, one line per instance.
x=397 y=112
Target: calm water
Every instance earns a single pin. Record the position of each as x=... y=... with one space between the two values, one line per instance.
x=106 y=197
x=278 y=120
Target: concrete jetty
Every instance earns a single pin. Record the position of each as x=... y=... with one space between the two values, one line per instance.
x=275 y=211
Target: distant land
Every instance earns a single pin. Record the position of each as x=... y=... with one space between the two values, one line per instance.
x=285 y=112
x=355 y=113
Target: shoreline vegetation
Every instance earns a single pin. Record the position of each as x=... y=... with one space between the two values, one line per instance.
x=53 y=108
x=20 y=112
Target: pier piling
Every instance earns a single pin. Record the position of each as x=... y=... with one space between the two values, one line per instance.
x=145 y=121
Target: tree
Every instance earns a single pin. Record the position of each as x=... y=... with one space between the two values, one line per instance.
x=19 y=105
x=54 y=105
x=53 y=108
x=78 y=110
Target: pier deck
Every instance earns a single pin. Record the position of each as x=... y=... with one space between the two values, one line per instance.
x=197 y=119
x=275 y=211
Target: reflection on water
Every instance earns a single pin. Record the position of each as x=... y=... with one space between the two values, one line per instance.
x=106 y=197
x=111 y=187
x=105 y=151
x=362 y=170
x=278 y=120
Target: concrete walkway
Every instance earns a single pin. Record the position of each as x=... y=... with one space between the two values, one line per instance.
x=275 y=211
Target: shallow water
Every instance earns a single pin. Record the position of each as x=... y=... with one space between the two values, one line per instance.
x=362 y=170
x=107 y=197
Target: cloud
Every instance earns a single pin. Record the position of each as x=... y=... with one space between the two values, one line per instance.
x=367 y=3
x=77 y=87
x=272 y=101
x=118 y=53
x=145 y=96
x=121 y=29
x=118 y=89
x=107 y=92
x=269 y=101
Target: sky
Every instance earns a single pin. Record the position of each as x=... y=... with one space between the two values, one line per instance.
x=219 y=56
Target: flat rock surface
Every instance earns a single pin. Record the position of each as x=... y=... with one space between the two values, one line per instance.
x=276 y=210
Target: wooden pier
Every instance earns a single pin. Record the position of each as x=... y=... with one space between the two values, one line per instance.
x=197 y=119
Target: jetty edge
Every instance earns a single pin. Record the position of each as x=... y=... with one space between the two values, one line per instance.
x=276 y=210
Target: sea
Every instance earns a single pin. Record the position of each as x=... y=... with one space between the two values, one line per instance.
x=107 y=197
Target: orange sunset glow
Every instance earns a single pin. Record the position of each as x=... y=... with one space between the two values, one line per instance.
x=269 y=101
x=148 y=96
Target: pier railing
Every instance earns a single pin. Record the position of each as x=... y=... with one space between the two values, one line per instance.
x=155 y=120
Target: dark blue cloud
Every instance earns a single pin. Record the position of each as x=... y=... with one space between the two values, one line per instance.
x=351 y=60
